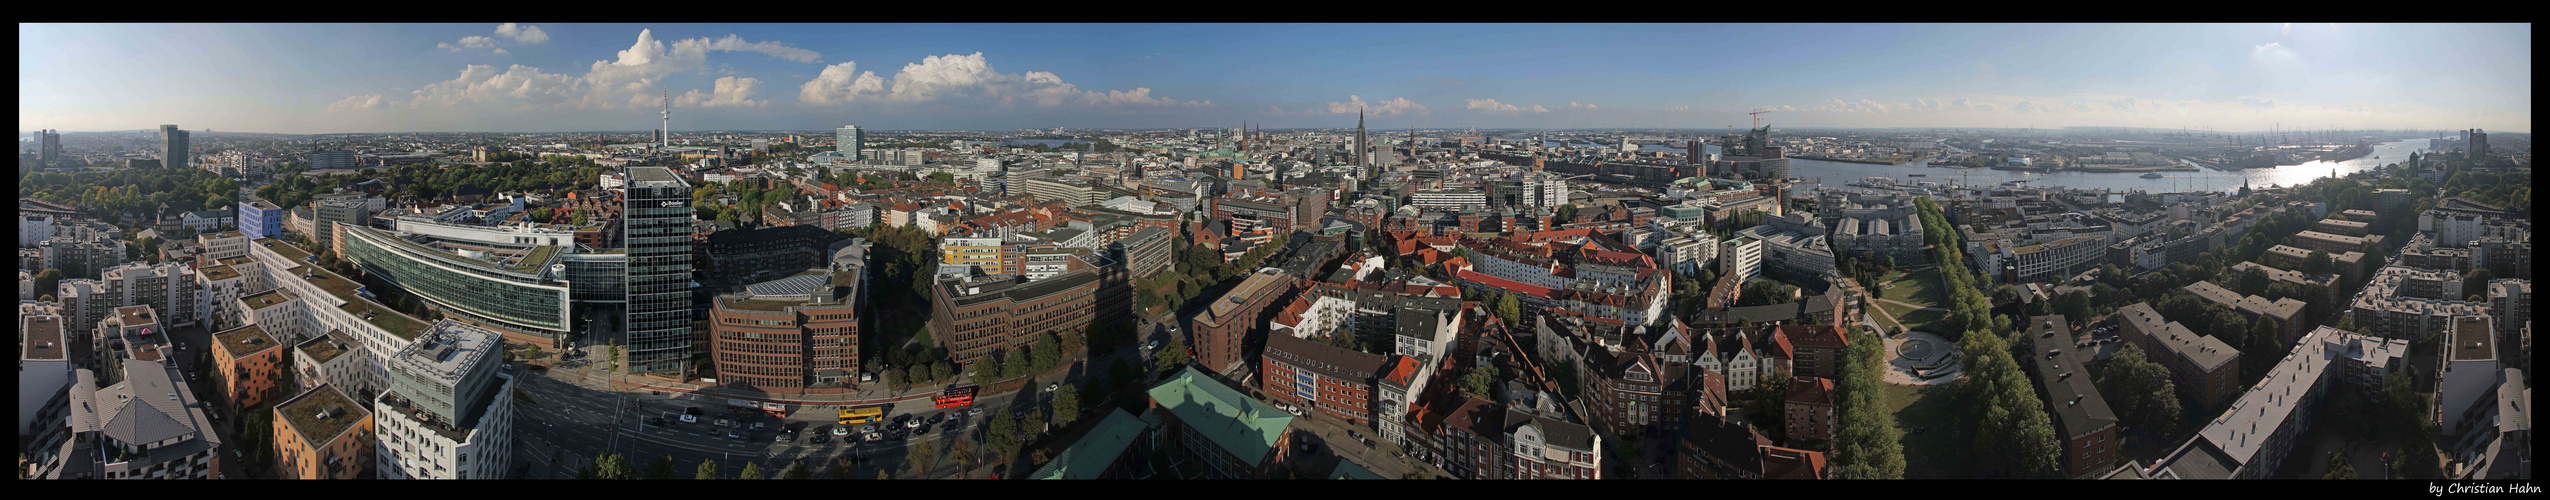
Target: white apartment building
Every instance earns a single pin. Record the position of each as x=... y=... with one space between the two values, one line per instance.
x=447 y=412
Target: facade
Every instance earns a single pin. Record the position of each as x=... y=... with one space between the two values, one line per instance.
x=174 y=152
x=145 y=425
x=335 y=216
x=1227 y=433
x=322 y=434
x=1147 y=252
x=1339 y=382
x=2087 y=426
x=261 y=219
x=2204 y=366
x=44 y=367
x=795 y=332
x=658 y=240
x=248 y=366
x=1539 y=447
x=521 y=293
x=850 y=141
x=2253 y=437
x=1812 y=409
x=325 y=360
x=2405 y=303
x=737 y=257
x=448 y=410
x=984 y=253
x=1221 y=331
x=976 y=316
x=2468 y=372
x=169 y=288
x=1742 y=256
x=2287 y=312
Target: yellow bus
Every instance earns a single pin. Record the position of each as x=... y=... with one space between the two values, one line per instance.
x=864 y=415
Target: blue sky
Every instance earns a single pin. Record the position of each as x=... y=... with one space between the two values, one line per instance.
x=307 y=78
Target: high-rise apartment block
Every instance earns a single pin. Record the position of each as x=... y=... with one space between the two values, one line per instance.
x=448 y=410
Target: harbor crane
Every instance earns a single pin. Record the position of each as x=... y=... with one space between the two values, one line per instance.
x=1757 y=117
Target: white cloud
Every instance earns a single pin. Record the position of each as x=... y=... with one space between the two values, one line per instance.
x=1355 y=103
x=469 y=42
x=357 y=102
x=1583 y=106
x=1678 y=109
x=2026 y=107
x=733 y=43
x=1492 y=105
x=967 y=76
x=524 y=33
x=2124 y=105
x=729 y=92
x=524 y=85
x=840 y=83
x=502 y=51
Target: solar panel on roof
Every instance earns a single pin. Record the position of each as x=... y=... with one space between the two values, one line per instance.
x=793 y=285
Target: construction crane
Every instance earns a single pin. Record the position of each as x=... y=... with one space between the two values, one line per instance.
x=1757 y=117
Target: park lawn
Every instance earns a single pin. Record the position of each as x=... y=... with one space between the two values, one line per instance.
x=1890 y=274
x=1922 y=288
x=1890 y=324
x=1920 y=320
x=1941 y=450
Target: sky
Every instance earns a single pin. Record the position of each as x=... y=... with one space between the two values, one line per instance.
x=520 y=77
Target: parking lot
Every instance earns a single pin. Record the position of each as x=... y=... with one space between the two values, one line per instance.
x=571 y=424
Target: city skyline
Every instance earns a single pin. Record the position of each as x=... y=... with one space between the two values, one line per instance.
x=305 y=78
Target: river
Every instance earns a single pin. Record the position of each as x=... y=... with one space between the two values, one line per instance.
x=1840 y=173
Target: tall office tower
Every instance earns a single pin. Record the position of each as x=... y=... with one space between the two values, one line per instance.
x=51 y=147
x=2478 y=144
x=1362 y=142
x=848 y=140
x=658 y=239
x=173 y=149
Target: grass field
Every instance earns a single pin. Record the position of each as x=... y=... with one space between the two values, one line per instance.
x=1935 y=442
x=1919 y=320
x=1922 y=288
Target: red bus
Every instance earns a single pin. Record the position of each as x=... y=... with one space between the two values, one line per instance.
x=956 y=397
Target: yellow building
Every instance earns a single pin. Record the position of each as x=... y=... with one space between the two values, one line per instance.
x=982 y=252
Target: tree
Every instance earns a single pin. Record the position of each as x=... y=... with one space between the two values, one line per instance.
x=1509 y=309
x=48 y=281
x=751 y=471
x=919 y=374
x=2252 y=281
x=2140 y=392
x=1002 y=436
x=940 y=370
x=796 y=470
x=2476 y=283
x=2340 y=467
x=1046 y=353
x=838 y=469
x=2263 y=339
x=611 y=466
x=1481 y=380
x=1866 y=443
x=1066 y=404
x=1172 y=356
x=2317 y=263
x=963 y=452
x=1566 y=214
x=661 y=468
x=921 y=461
x=1770 y=397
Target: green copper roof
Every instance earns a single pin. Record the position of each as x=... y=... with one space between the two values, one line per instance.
x=1242 y=426
x=1101 y=446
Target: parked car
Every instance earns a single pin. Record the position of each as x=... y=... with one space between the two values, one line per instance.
x=734 y=435
x=757 y=426
x=844 y=430
x=722 y=422
x=868 y=429
x=921 y=430
x=821 y=439
x=938 y=417
x=786 y=437
x=907 y=424
x=875 y=437
x=1050 y=386
x=690 y=419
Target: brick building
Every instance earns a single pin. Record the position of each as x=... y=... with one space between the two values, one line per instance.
x=2081 y=416
x=1221 y=333
x=248 y=365
x=1334 y=381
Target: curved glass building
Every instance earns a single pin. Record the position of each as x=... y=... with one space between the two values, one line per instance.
x=512 y=287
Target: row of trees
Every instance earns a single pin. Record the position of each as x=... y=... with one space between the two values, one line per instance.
x=1968 y=309
x=2013 y=436
x=1866 y=443
x=111 y=193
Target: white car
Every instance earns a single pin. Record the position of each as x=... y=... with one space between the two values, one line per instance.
x=690 y=419
x=907 y=424
x=841 y=430
x=875 y=437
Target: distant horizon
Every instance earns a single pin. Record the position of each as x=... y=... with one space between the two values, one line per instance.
x=406 y=78
x=24 y=133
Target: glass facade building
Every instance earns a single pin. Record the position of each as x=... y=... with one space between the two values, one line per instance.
x=847 y=140
x=658 y=242
x=526 y=299
x=597 y=277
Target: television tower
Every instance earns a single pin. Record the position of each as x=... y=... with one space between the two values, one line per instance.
x=667 y=135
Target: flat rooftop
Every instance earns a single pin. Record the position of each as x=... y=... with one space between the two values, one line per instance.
x=133 y=316
x=325 y=348
x=1258 y=283
x=244 y=340
x=2064 y=374
x=2474 y=338
x=269 y=298
x=40 y=337
x=304 y=411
